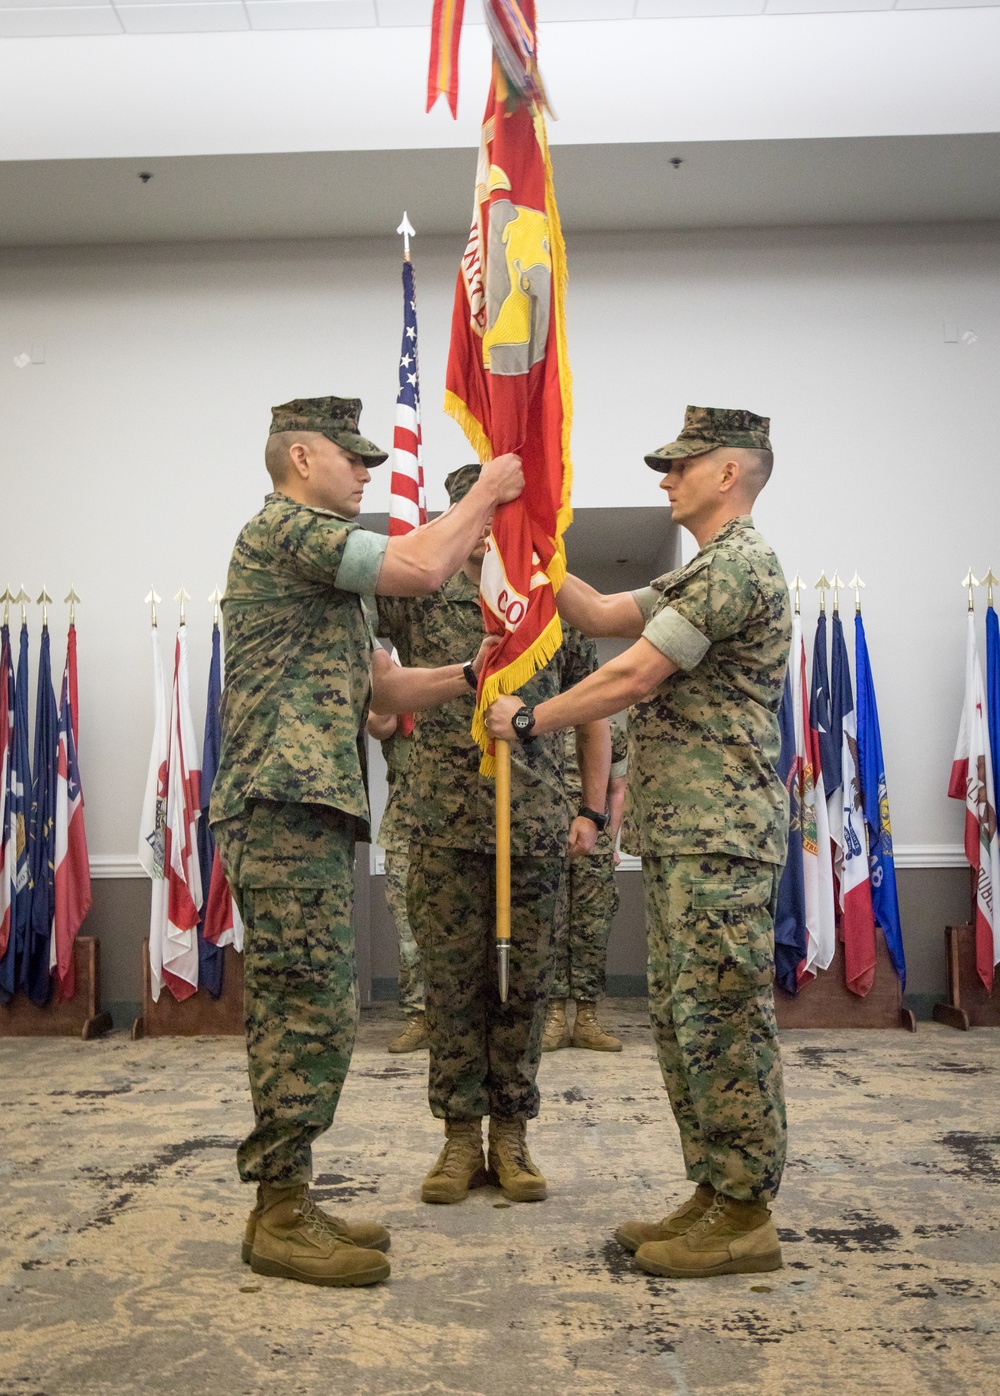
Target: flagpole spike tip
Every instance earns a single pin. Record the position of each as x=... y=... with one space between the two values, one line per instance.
x=407 y=230
x=152 y=600
x=215 y=598
x=822 y=586
x=797 y=585
x=858 y=586
x=181 y=597
x=72 y=600
x=989 y=581
x=969 y=581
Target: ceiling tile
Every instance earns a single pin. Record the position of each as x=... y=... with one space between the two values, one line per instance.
x=814 y=7
x=552 y=10
x=49 y=21
x=311 y=14
x=696 y=9
x=943 y=4
x=48 y=5
x=180 y=18
x=400 y=14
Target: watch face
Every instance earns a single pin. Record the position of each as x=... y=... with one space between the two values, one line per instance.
x=521 y=722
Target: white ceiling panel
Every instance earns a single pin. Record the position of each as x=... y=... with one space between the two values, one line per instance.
x=181 y=18
x=817 y=7
x=692 y=9
x=48 y=5
x=312 y=14
x=944 y=4
x=49 y=21
x=560 y=10
x=404 y=14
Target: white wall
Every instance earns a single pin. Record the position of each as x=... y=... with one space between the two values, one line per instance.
x=133 y=454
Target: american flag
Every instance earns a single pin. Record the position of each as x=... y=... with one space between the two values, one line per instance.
x=407 y=502
x=72 y=865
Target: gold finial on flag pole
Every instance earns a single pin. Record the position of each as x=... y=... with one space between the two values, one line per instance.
x=797 y=585
x=990 y=581
x=73 y=601
x=822 y=586
x=21 y=599
x=181 y=597
x=153 y=599
x=837 y=584
x=45 y=601
x=7 y=598
x=969 y=581
x=408 y=231
x=215 y=598
x=857 y=584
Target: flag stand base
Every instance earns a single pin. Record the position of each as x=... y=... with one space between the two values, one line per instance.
x=827 y=1002
x=969 y=1005
x=197 y=1016
x=79 y=1016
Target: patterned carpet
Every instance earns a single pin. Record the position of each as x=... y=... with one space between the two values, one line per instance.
x=121 y=1218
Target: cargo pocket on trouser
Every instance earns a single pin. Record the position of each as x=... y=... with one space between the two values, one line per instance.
x=725 y=1023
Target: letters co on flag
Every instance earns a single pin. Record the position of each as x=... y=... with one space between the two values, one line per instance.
x=508 y=380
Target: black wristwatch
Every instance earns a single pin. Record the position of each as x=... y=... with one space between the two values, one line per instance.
x=470 y=675
x=523 y=721
x=601 y=820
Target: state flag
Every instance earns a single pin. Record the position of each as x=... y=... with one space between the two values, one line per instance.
x=6 y=733
x=18 y=816
x=33 y=972
x=972 y=782
x=857 y=921
x=220 y=924
x=72 y=868
x=790 y=933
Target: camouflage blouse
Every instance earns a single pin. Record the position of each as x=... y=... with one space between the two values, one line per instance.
x=703 y=749
x=442 y=798
x=298 y=663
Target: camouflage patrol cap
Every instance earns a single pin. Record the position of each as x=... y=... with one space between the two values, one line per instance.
x=336 y=418
x=705 y=428
x=460 y=481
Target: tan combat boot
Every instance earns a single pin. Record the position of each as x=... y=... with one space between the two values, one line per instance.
x=413 y=1037
x=368 y=1235
x=587 y=1031
x=556 y=1032
x=510 y=1163
x=460 y=1164
x=292 y=1241
x=633 y=1234
x=731 y=1238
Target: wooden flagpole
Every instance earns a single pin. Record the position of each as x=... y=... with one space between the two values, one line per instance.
x=503 y=866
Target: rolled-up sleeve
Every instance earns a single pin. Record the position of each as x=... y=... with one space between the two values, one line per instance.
x=677 y=638
x=647 y=599
x=362 y=562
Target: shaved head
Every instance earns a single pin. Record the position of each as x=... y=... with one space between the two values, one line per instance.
x=276 y=459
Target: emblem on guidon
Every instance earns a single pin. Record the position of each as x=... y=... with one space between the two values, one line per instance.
x=502 y=598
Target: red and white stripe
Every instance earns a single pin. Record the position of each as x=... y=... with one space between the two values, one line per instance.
x=972 y=781
x=72 y=864
x=408 y=502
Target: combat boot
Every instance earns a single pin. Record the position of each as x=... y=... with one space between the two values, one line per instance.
x=633 y=1234
x=587 y=1031
x=293 y=1242
x=460 y=1164
x=556 y=1032
x=413 y=1037
x=368 y=1235
x=731 y=1238
x=510 y=1164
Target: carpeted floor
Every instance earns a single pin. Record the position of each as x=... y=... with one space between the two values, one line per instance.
x=121 y=1214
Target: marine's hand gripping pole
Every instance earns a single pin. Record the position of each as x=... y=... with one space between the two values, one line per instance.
x=503 y=866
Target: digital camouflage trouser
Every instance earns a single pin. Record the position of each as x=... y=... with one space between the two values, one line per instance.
x=582 y=928
x=711 y=1001
x=411 y=980
x=484 y=1054
x=291 y=868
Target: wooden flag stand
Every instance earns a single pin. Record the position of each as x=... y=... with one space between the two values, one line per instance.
x=969 y=1005
x=197 y=1016
x=79 y=1016
x=827 y=1002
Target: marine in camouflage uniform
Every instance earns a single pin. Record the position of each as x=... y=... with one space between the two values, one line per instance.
x=484 y=1054
x=394 y=838
x=288 y=804
x=708 y=814
x=584 y=923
